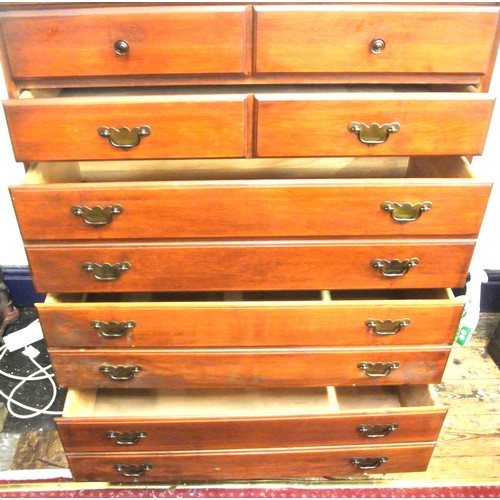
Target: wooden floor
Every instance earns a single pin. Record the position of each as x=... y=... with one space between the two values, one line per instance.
x=468 y=451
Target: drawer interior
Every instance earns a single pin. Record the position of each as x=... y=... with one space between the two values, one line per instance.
x=388 y=169
x=169 y=403
x=323 y=296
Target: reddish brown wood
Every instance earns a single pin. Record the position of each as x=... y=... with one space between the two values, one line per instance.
x=251 y=265
x=245 y=324
x=80 y=435
x=258 y=464
x=318 y=126
x=66 y=128
x=324 y=39
x=162 y=40
x=326 y=207
x=246 y=367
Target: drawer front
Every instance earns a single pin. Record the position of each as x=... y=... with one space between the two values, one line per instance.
x=71 y=128
x=434 y=124
x=160 y=42
x=295 y=462
x=246 y=367
x=252 y=209
x=325 y=39
x=278 y=265
x=246 y=324
x=80 y=435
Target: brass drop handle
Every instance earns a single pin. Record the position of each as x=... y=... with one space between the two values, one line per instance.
x=376 y=431
x=106 y=271
x=378 y=370
x=121 y=47
x=120 y=373
x=113 y=328
x=96 y=216
x=133 y=470
x=377 y=46
x=127 y=438
x=387 y=327
x=368 y=463
x=406 y=212
x=373 y=134
x=394 y=268
x=124 y=137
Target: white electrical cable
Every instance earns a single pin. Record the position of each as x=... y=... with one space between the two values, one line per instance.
x=30 y=378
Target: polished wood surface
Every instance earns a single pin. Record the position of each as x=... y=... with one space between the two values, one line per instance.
x=251 y=208
x=334 y=323
x=67 y=128
x=437 y=124
x=323 y=39
x=250 y=265
x=245 y=464
x=183 y=368
x=182 y=40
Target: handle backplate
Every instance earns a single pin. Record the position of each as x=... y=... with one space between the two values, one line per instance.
x=368 y=463
x=405 y=212
x=394 y=268
x=388 y=326
x=376 y=431
x=96 y=216
x=373 y=134
x=124 y=137
x=127 y=438
x=113 y=328
x=378 y=370
x=133 y=470
x=106 y=271
x=120 y=372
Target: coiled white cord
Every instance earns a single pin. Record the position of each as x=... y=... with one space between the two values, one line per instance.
x=30 y=378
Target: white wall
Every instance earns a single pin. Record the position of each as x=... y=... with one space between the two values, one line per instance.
x=487 y=255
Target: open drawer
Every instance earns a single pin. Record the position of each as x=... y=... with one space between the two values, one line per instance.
x=246 y=121
x=167 y=420
x=251 y=319
x=250 y=198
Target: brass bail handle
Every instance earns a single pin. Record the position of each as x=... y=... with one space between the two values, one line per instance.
x=378 y=370
x=373 y=134
x=124 y=137
x=120 y=372
x=96 y=216
x=405 y=212
x=133 y=470
x=368 y=463
x=376 y=431
x=127 y=438
x=387 y=327
x=394 y=268
x=106 y=271
x=113 y=329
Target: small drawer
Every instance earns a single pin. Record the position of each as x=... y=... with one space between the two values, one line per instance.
x=134 y=41
x=250 y=198
x=249 y=464
x=250 y=265
x=107 y=124
x=114 y=421
x=251 y=319
x=372 y=124
x=255 y=367
x=393 y=40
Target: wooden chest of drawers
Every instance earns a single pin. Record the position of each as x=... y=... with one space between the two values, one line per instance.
x=248 y=217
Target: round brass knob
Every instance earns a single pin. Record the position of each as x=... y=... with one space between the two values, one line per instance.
x=377 y=46
x=121 y=47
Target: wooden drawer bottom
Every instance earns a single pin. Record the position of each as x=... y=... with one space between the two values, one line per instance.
x=249 y=464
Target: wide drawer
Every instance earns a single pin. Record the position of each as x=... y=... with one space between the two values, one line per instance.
x=250 y=265
x=280 y=319
x=129 y=41
x=374 y=39
x=251 y=198
x=249 y=464
x=134 y=126
x=257 y=367
x=109 y=420
x=372 y=124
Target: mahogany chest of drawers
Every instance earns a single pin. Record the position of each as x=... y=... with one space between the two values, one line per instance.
x=248 y=217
